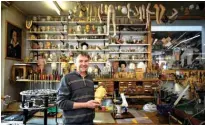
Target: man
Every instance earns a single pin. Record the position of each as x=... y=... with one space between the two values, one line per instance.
x=76 y=94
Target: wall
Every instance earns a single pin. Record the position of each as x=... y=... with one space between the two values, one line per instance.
x=15 y=17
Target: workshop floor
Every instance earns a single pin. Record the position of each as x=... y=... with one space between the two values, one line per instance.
x=152 y=118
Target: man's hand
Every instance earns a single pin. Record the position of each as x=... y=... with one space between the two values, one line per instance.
x=92 y=104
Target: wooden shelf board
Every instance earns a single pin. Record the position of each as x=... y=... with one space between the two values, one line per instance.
x=87 y=34
x=28 y=80
x=128 y=44
x=86 y=39
x=47 y=39
x=47 y=32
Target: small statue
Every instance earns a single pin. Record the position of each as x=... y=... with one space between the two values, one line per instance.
x=47 y=45
x=100 y=93
x=96 y=70
x=78 y=29
x=64 y=68
x=87 y=28
x=72 y=68
x=54 y=66
x=81 y=14
x=123 y=67
x=99 y=30
x=41 y=63
x=93 y=29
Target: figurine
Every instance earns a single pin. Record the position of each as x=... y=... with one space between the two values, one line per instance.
x=40 y=45
x=93 y=29
x=122 y=66
x=47 y=45
x=99 y=30
x=81 y=14
x=65 y=28
x=53 y=57
x=96 y=70
x=84 y=46
x=100 y=93
x=72 y=68
x=87 y=28
x=78 y=29
x=41 y=63
x=64 y=68
x=54 y=66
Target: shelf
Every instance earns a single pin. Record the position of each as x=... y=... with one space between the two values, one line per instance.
x=128 y=44
x=52 y=40
x=127 y=52
x=135 y=60
x=68 y=62
x=87 y=39
x=139 y=97
x=95 y=80
x=87 y=34
x=139 y=24
x=22 y=64
x=134 y=80
x=86 y=22
x=91 y=50
x=94 y=62
x=130 y=32
x=47 y=32
x=50 y=22
x=103 y=80
x=28 y=80
x=46 y=62
x=125 y=80
x=97 y=62
x=48 y=49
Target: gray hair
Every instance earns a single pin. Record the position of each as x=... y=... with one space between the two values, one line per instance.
x=85 y=54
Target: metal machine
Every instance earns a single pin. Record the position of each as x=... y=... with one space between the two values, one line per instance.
x=120 y=109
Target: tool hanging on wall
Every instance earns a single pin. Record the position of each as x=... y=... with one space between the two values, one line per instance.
x=91 y=12
x=137 y=12
x=148 y=13
x=140 y=11
x=174 y=15
x=143 y=11
x=95 y=12
x=157 y=13
x=106 y=9
x=163 y=9
x=88 y=11
x=160 y=10
x=111 y=10
x=99 y=15
x=128 y=10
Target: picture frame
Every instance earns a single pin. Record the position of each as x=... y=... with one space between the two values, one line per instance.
x=13 y=42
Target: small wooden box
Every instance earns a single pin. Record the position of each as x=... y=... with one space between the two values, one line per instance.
x=139 y=75
x=20 y=70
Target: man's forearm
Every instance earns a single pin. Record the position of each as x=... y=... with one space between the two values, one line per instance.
x=77 y=105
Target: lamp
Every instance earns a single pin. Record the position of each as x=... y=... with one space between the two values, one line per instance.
x=55 y=6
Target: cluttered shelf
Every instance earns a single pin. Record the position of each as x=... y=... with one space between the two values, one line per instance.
x=95 y=80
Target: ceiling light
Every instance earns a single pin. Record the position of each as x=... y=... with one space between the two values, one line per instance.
x=54 y=5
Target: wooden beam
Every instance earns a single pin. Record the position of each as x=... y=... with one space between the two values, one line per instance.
x=186 y=18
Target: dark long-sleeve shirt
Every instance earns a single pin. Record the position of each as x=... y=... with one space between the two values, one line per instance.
x=74 y=88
